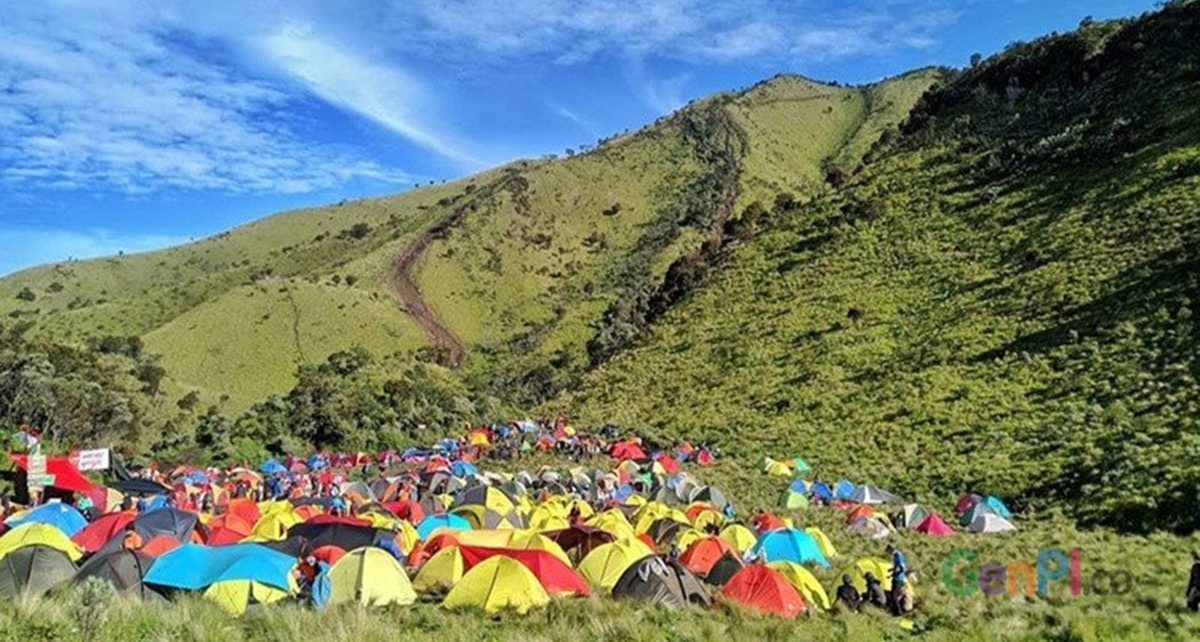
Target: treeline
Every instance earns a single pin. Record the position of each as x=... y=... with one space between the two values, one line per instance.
x=109 y=393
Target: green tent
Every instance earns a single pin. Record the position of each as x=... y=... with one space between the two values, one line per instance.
x=34 y=569
x=791 y=499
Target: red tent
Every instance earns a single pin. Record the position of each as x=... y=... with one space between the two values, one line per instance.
x=329 y=553
x=627 y=450
x=556 y=577
x=703 y=553
x=94 y=536
x=766 y=522
x=934 y=525
x=763 y=589
x=705 y=458
x=66 y=476
x=337 y=519
x=407 y=510
x=966 y=502
x=669 y=463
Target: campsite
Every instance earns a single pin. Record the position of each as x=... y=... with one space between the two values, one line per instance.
x=600 y=320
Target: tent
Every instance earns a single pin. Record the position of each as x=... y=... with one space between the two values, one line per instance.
x=66 y=475
x=997 y=506
x=176 y=523
x=95 y=535
x=911 y=515
x=871 y=527
x=34 y=569
x=139 y=487
x=604 y=565
x=739 y=537
x=871 y=495
x=823 y=542
x=344 y=536
x=990 y=523
x=976 y=509
x=793 y=499
x=764 y=589
x=665 y=530
x=441 y=572
x=965 y=502
x=723 y=570
x=445 y=520
x=776 y=468
x=481 y=517
x=703 y=553
x=660 y=580
x=497 y=583
x=804 y=582
x=371 y=577
x=236 y=596
x=555 y=575
x=881 y=569
x=789 y=544
x=933 y=525
x=821 y=489
x=123 y=569
x=37 y=534
x=710 y=495
x=578 y=541
x=844 y=489
x=62 y=516
x=486 y=496
x=194 y=567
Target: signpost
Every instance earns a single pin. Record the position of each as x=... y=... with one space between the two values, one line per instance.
x=97 y=459
x=35 y=472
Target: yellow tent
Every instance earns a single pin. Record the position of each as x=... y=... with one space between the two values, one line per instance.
x=38 y=533
x=777 y=468
x=497 y=583
x=369 y=576
x=441 y=572
x=822 y=541
x=739 y=537
x=273 y=526
x=237 y=595
x=881 y=569
x=654 y=511
x=684 y=539
x=545 y=518
x=804 y=582
x=708 y=517
x=612 y=522
x=604 y=565
x=482 y=517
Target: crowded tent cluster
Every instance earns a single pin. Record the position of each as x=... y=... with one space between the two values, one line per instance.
x=865 y=505
x=425 y=525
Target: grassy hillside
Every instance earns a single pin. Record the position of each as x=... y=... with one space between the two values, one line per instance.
x=521 y=263
x=1004 y=299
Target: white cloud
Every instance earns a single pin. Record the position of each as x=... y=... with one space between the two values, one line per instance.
x=116 y=100
x=382 y=93
x=33 y=246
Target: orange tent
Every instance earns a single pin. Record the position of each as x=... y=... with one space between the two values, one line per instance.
x=703 y=553
x=765 y=590
x=859 y=513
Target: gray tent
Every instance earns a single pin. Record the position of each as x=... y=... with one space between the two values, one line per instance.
x=990 y=523
x=661 y=580
x=871 y=495
x=123 y=569
x=34 y=569
x=165 y=521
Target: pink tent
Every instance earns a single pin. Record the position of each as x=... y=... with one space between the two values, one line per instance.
x=933 y=525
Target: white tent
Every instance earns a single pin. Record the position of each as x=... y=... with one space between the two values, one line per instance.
x=872 y=495
x=990 y=523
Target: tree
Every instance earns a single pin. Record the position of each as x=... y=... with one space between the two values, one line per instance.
x=976 y=59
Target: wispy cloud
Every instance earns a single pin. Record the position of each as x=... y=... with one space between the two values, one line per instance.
x=119 y=100
x=385 y=94
x=31 y=246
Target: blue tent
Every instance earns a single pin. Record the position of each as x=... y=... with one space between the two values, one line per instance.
x=316 y=462
x=997 y=506
x=194 y=567
x=272 y=467
x=821 y=489
x=844 y=489
x=62 y=516
x=791 y=545
x=195 y=478
x=799 y=486
x=445 y=520
x=623 y=493
x=463 y=468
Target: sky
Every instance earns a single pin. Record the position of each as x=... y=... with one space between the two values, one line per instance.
x=129 y=126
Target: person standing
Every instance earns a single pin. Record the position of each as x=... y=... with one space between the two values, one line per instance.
x=898 y=596
x=1193 y=589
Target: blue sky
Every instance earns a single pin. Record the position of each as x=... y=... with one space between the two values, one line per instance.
x=127 y=126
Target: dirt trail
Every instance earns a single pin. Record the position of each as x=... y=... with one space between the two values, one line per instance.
x=409 y=295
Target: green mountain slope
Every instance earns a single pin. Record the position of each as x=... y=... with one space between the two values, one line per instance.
x=508 y=272
x=1005 y=298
